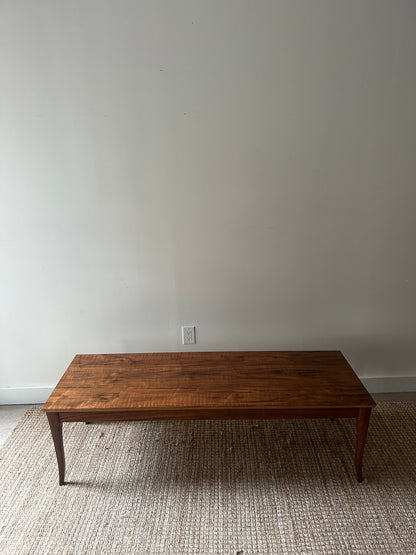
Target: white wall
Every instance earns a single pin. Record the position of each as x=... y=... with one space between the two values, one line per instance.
x=248 y=167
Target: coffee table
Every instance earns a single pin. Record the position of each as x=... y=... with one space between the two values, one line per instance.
x=209 y=385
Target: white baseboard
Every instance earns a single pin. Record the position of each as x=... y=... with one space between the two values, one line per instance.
x=39 y=394
x=386 y=384
x=24 y=395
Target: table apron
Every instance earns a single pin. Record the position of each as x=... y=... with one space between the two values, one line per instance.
x=206 y=414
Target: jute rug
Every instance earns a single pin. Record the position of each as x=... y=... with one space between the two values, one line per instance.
x=219 y=487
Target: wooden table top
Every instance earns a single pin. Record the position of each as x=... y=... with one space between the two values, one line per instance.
x=208 y=380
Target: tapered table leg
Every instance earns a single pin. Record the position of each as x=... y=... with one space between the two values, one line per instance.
x=363 y=420
x=56 y=429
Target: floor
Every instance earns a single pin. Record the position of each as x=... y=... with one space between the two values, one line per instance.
x=11 y=414
x=9 y=417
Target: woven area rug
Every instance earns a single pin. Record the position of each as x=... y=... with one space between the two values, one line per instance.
x=211 y=487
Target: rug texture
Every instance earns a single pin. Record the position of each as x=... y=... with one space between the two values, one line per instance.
x=211 y=487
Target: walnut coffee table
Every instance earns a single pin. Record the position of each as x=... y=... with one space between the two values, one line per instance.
x=209 y=385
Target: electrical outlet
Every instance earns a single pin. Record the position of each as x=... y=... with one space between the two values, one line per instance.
x=188 y=335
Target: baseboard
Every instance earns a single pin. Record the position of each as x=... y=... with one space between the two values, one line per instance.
x=384 y=384
x=24 y=395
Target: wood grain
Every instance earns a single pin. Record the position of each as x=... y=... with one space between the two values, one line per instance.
x=210 y=380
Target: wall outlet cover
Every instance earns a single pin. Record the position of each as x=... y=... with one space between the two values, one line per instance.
x=188 y=335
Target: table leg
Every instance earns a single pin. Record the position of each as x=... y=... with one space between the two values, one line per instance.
x=363 y=420
x=56 y=430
